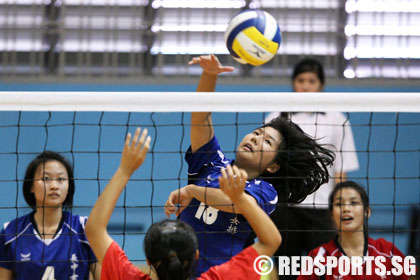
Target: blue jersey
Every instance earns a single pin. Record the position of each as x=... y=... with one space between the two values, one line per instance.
x=66 y=256
x=221 y=235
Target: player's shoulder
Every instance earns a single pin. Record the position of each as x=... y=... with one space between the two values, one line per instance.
x=261 y=185
x=75 y=222
x=210 y=149
x=15 y=228
x=17 y=225
x=382 y=246
x=213 y=144
x=380 y=242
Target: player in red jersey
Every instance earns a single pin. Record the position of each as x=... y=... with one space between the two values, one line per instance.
x=349 y=208
x=171 y=245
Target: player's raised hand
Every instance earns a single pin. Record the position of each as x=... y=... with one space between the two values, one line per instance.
x=135 y=151
x=210 y=64
x=232 y=182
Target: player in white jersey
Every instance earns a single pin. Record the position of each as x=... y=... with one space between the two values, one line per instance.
x=48 y=243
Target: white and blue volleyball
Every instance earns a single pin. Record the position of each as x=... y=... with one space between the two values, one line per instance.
x=253 y=37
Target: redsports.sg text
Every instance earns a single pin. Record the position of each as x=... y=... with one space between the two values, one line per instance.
x=305 y=265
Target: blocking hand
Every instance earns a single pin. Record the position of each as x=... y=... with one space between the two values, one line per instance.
x=134 y=151
x=210 y=64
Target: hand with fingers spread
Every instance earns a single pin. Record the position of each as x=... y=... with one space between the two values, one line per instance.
x=134 y=152
x=232 y=182
x=177 y=201
x=210 y=64
x=133 y=155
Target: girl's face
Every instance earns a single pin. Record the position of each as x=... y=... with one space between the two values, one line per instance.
x=51 y=184
x=348 y=211
x=257 y=150
x=307 y=82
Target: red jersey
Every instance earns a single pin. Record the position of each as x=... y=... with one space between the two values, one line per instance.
x=373 y=248
x=116 y=266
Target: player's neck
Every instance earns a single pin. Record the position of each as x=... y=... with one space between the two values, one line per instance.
x=352 y=242
x=252 y=174
x=48 y=219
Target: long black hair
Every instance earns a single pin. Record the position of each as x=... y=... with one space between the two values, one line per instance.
x=303 y=163
x=41 y=159
x=171 y=246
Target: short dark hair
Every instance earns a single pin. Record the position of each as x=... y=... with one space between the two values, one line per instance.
x=170 y=246
x=349 y=185
x=309 y=65
x=303 y=162
x=43 y=158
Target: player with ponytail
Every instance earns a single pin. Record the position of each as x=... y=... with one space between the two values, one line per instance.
x=171 y=246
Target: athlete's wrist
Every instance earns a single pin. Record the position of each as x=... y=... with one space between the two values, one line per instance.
x=241 y=201
x=124 y=173
x=211 y=74
x=189 y=190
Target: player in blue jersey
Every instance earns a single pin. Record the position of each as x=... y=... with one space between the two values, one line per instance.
x=170 y=246
x=48 y=243
x=283 y=165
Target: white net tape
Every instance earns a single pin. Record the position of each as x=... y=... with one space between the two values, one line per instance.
x=209 y=101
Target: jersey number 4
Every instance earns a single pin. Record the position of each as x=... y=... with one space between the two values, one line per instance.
x=209 y=214
x=49 y=273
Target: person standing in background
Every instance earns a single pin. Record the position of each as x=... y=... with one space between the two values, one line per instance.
x=350 y=211
x=307 y=225
x=49 y=242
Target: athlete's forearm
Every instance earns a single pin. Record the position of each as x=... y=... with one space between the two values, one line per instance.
x=269 y=237
x=201 y=123
x=202 y=130
x=207 y=82
x=104 y=206
x=96 y=226
x=213 y=197
x=133 y=155
x=6 y=274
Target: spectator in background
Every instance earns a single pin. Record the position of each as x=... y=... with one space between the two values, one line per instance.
x=349 y=210
x=307 y=225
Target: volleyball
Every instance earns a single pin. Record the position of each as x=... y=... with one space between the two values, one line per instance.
x=253 y=37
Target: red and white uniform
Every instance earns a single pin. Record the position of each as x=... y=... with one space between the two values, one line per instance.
x=116 y=266
x=373 y=248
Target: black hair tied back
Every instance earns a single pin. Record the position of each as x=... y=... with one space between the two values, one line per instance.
x=175 y=270
x=171 y=247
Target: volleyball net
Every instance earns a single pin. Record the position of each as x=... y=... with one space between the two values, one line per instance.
x=89 y=128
